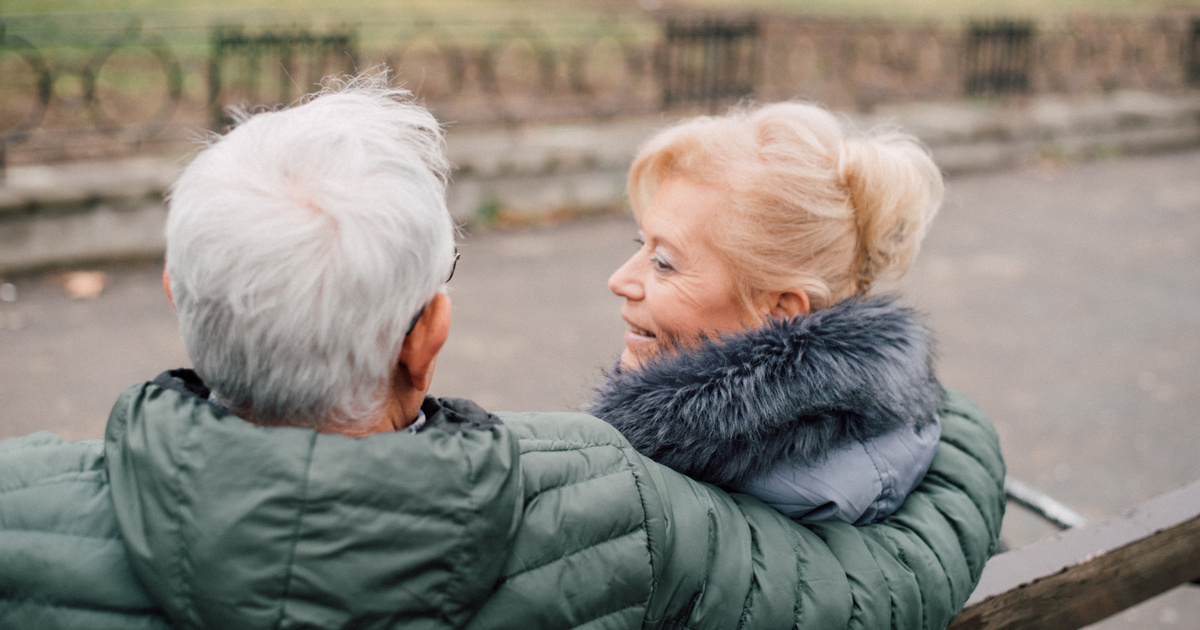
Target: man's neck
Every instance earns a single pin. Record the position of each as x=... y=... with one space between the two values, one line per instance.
x=394 y=416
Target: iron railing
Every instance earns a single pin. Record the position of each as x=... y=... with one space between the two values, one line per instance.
x=708 y=61
x=21 y=124
x=1192 y=54
x=273 y=66
x=99 y=87
x=999 y=57
x=103 y=78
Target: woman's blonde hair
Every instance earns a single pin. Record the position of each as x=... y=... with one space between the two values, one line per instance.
x=810 y=205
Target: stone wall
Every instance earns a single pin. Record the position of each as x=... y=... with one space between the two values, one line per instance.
x=861 y=64
x=85 y=94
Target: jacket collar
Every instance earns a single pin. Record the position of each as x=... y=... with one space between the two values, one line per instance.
x=733 y=407
x=231 y=524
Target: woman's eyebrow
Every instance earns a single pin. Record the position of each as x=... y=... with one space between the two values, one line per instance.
x=668 y=249
x=663 y=236
x=652 y=238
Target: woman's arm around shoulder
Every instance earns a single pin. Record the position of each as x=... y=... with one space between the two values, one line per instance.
x=914 y=569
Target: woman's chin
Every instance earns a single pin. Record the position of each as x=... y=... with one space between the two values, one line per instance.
x=638 y=349
x=630 y=360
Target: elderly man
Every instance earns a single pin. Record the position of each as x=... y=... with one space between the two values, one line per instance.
x=300 y=476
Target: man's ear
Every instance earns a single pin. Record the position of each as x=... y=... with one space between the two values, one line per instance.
x=790 y=304
x=418 y=355
x=167 y=285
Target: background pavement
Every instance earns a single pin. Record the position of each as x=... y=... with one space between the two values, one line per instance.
x=50 y=214
x=1065 y=297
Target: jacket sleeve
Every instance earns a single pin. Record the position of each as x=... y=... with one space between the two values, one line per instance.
x=914 y=569
x=62 y=563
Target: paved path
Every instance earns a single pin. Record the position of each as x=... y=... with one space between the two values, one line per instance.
x=1066 y=300
x=87 y=211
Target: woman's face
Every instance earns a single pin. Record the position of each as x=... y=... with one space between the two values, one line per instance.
x=676 y=286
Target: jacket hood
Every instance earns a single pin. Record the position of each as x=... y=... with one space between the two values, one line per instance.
x=232 y=525
x=734 y=407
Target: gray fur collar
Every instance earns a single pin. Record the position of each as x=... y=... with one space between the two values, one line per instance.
x=731 y=409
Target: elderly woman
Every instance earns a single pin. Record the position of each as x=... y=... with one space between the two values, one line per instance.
x=754 y=358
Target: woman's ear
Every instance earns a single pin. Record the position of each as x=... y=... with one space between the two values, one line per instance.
x=790 y=304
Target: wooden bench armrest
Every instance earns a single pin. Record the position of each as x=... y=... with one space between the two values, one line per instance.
x=1082 y=575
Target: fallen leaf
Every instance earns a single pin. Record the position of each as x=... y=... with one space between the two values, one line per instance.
x=83 y=285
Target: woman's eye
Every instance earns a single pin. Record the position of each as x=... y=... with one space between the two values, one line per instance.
x=660 y=264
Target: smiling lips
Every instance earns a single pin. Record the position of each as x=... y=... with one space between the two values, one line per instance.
x=639 y=331
x=635 y=335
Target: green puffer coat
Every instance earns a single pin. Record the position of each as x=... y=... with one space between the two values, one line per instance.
x=188 y=517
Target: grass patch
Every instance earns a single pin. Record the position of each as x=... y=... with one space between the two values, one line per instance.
x=379 y=24
x=459 y=11
x=958 y=11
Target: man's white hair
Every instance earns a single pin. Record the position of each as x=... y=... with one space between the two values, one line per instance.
x=301 y=244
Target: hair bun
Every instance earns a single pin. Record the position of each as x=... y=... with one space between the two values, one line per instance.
x=895 y=190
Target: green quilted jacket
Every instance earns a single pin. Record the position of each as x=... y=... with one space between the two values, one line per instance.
x=187 y=517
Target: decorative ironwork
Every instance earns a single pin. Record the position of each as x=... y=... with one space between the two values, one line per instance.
x=999 y=57
x=43 y=83
x=1192 y=54
x=103 y=85
x=111 y=89
x=523 y=72
x=161 y=55
x=242 y=68
x=708 y=61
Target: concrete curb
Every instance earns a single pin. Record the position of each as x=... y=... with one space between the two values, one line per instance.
x=967 y=137
x=72 y=213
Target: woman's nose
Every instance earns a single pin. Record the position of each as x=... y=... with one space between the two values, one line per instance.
x=624 y=281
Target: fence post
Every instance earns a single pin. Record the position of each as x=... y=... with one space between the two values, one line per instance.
x=999 y=55
x=708 y=60
x=1191 y=62
x=45 y=85
x=216 y=59
x=291 y=49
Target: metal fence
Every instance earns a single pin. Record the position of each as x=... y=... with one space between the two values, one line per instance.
x=272 y=67
x=110 y=85
x=21 y=124
x=529 y=72
x=999 y=57
x=1192 y=54
x=708 y=61
x=103 y=89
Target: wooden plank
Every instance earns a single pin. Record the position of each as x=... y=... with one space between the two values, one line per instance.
x=1083 y=575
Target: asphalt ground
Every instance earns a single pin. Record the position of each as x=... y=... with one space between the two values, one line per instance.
x=1065 y=299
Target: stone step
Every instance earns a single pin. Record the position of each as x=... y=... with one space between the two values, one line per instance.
x=69 y=213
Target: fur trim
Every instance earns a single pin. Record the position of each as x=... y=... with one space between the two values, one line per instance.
x=730 y=409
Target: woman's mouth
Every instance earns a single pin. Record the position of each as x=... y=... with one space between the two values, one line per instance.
x=641 y=332
x=639 y=344
x=637 y=338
